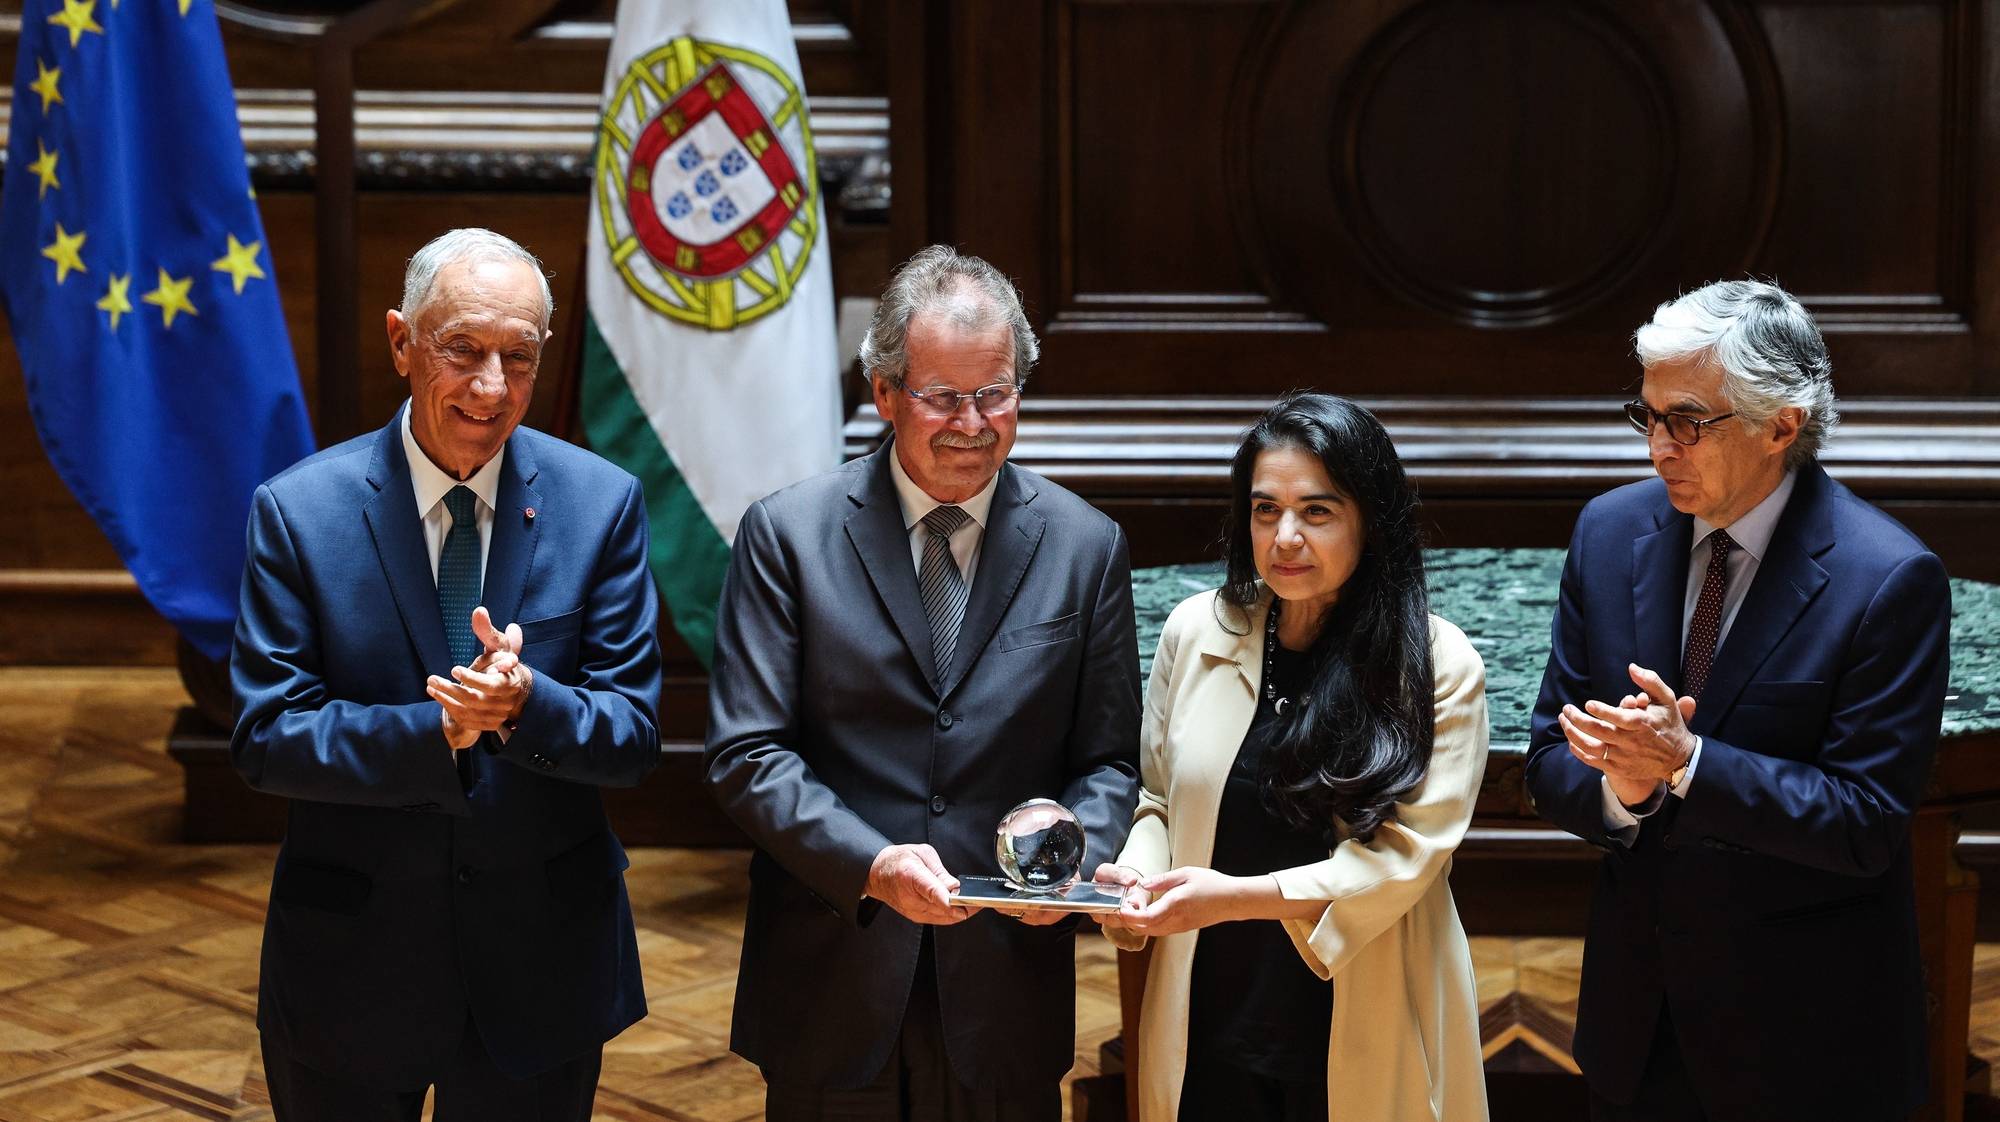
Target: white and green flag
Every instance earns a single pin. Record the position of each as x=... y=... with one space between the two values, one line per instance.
x=710 y=368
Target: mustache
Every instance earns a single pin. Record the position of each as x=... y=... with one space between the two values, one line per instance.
x=949 y=439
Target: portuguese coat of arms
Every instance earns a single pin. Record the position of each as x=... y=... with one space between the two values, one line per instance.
x=706 y=183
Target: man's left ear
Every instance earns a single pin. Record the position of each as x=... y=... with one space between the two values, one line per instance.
x=1785 y=427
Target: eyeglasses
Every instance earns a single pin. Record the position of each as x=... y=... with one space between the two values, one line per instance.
x=1683 y=428
x=938 y=401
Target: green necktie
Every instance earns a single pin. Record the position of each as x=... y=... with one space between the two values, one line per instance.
x=459 y=576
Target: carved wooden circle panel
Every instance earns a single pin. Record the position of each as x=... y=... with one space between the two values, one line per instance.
x=1536 y=184
x=1503 y=163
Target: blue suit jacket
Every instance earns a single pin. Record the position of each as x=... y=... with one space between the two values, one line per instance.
x=403 y=899
x=1771 y=910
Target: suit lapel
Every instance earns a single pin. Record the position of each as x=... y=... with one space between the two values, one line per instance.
x=515 y=535
x=399 y=543
x=1659 y=593
x=883 y=543
x=1246 y=653
x=1788 y=578
x=1013 y=533
x=1221 y=706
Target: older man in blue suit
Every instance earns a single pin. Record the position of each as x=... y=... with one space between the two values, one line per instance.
x=448 y=908
x=1741 y=707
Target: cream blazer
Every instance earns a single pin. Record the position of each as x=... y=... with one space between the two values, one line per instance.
x=1405 y=1035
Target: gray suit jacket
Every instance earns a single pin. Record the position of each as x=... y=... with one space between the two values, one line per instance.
x=831 y=735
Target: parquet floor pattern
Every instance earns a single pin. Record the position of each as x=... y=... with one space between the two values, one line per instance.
x=128 y=961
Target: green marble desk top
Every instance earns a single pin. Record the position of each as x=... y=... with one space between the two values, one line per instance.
x=1504 y=599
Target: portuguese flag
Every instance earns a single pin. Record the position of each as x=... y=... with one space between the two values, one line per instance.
x=710 y=369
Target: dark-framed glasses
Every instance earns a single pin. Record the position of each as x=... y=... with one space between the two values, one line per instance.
x=1681 y=427
x=940 y=401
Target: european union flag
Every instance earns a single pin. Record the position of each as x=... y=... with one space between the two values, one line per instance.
x=134 y=272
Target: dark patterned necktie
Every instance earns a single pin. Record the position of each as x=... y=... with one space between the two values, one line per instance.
x=941 y=585
x=1707 y=622
x=459 y=577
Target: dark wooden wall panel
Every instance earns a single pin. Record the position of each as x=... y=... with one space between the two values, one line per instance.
x=1459 y=196
x=1149 y=204
x=1873 y=77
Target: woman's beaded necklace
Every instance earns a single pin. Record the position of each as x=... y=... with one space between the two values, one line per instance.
x=1278 y=704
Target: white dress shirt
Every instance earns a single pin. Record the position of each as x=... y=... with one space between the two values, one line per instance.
x=1752 y=535
x=430 y=482
x=964 y=541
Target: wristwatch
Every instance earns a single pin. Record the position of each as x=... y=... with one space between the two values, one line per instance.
x=1680 y=773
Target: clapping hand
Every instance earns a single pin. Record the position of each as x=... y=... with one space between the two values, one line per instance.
x=1637 y=743
x=485 y=696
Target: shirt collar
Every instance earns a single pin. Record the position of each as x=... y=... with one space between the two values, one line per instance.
x=430 y=482
x=916 y=502
x=1752 y=532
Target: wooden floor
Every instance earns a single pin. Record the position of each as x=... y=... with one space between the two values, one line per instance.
x=128 y=962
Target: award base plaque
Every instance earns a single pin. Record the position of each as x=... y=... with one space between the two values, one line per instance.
x=996 y=892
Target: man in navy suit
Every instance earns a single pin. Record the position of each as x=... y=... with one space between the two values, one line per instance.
x=1741 y=706
x=448 y=908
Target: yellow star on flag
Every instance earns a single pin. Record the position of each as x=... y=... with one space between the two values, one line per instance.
x=45 y=169
x=115 y=301
x=46 y=83
x=171 y=298
x=240 y=262
x=64 y=252
x=76 y=16
x=184 y=7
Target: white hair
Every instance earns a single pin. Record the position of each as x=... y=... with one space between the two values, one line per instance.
x=469 y=243
x=968 y=291
x=1767 y=347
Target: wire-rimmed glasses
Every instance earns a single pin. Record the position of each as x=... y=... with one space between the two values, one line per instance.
x=942 y=401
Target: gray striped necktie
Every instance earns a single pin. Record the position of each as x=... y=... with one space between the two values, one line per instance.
x=941 y=585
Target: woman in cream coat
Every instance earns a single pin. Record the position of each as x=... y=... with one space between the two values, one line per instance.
x=1354 y=763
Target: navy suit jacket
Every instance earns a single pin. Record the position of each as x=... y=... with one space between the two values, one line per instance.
x=402 y=898
x=832 y=734
x=1771 y=910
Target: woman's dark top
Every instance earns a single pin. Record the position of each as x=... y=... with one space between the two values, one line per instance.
x=1253 y=1002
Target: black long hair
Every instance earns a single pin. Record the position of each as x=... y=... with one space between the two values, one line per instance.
x=1359 y=737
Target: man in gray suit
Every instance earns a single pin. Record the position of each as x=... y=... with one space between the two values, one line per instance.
x=907 y=647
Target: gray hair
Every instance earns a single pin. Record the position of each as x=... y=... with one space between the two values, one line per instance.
x=972 y=294
x=467 y=244
x=1767 y=346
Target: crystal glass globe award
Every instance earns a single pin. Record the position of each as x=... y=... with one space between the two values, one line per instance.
x=1040 y=848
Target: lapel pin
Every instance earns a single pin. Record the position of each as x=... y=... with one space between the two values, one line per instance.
x=529 y=514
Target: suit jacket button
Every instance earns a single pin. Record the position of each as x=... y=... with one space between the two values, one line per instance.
x=465 y=874
x=937 y=804
x=542 y=762
x=944 y=719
